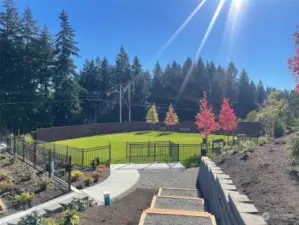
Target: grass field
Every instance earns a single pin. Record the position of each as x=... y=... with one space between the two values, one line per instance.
x=118 y=141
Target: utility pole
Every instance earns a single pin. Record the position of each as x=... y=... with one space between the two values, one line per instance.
x=129 y=98
x=120 y=104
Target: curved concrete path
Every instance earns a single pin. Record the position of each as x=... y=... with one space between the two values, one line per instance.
x=116 y=184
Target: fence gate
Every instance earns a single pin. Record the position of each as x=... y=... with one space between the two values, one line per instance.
x=149 y=152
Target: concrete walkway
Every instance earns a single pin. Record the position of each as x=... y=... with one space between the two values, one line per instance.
x=116 y=184
x=146 y=166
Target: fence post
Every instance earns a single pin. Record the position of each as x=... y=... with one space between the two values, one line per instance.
x=148 y=148
x=130 y=155
x=109 y=154
x=23 y=147
x=14 y=145
x=179 y=152
x=154 y=152
x=70 y=172
x=67 y=151
x=49 y=163
x=126 y=149
x=34 y=155
x=82 y=158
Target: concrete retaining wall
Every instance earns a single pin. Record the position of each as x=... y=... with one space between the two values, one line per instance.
x=222 y=198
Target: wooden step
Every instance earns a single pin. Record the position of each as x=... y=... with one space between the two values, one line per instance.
x=175 y=217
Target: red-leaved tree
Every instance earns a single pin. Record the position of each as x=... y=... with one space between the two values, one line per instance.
x=294 y=61
x=227 y=118
x=205 y=120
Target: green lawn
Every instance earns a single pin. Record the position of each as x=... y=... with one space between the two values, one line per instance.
x=118 y=141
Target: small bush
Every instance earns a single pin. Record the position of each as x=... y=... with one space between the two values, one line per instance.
x=80 y=204
x=4 y=176
x=5 y=186
x=192 y=161
x=76 y=175
x=248 y=145
x=264 y=140
x=80 y=186
x=2 y=157
x=24 y=199
x=70 y=217
x=28 y=174
x=294 y=144
x=96 y=175
x=49 y=221
x=43 y=184
x=34 y=218
x=88 y=181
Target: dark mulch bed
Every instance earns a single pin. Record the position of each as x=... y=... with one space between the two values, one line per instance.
x=265 y=179
x=88 y=174
x=18 y=170
x=125 y=211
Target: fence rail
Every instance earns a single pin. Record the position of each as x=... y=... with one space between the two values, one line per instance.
x=53 y=164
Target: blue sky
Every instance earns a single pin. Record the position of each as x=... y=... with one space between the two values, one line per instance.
x=262 y=46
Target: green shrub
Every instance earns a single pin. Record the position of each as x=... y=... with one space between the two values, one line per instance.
x=70 y=217
x=5 y=186
x=4 y=176
x=278 y=131
x=80 y=204
x=264 y=140
x=24 y=199
x=28 y=174
x=192 y=161
x=34 y=218
x=295 y=149
x=80 y=186
x=43 y=184
x=76 y=175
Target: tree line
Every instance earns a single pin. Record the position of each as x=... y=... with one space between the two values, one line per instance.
x=40 y=85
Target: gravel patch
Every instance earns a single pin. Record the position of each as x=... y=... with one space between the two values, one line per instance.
x=153 y=219
x=181 y=193
x=179 y=203
x=178 y=178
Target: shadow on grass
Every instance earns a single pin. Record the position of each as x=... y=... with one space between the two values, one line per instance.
x=142 y=132
x=163 y=134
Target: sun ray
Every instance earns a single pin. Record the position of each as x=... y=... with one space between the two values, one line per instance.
x=178 y=31
x=208 y=31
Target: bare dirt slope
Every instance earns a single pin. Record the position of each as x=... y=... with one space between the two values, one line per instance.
x=266 y=180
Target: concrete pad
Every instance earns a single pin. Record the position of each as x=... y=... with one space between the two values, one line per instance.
x=157 y=166
x=252 y=219
x=176 y=165
x=54 y=208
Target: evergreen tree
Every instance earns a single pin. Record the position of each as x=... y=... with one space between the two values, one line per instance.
x=66 y=88
x=260 y=93
x=230 y=87
x=171 y=117
x=152 y=115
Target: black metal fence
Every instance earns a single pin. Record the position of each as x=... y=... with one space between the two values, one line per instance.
x=53 y=164
x=188 y=154
x=81 y=157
